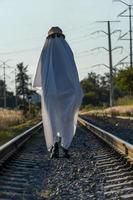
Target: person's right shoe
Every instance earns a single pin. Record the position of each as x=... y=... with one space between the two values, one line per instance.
x=54 y=151
x=65 y=153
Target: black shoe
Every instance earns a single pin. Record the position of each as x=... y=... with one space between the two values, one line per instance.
x=55 y=151
x=65 y=153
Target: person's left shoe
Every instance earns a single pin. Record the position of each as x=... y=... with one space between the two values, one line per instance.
x=54 y=151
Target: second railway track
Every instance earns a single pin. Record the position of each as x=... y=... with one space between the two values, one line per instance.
x=94 y=171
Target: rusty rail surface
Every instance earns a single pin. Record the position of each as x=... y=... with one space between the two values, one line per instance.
x=118 y=144
x=9 y=148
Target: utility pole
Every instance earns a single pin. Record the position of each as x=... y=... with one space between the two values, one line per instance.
x=109 y=34
x=111 y=67
x=130 y=27
x=4 y=66
x=30 y=89
x=4 y=73
x=30 y=81
x=130 y=30
x=16 y=100
x=14 y=72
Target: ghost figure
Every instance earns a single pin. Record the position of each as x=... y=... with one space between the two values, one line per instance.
x=61 y=95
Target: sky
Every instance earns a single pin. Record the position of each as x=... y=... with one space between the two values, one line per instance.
x=24 y=26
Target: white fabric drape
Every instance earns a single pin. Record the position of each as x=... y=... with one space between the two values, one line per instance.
x=57 y=80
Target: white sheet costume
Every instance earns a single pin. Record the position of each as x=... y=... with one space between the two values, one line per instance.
x=57 y=79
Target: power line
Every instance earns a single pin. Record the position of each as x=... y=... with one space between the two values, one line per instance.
x=20 y=51
x=76 y=40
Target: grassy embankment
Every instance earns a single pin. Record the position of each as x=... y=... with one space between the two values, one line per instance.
x=13 y=123
x=123 y=107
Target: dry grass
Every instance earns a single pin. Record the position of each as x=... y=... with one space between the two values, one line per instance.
x=114 y=111
x=9 y=118
x=13 y=131
x=13 y=123
x=120 y=110
x=127 y=100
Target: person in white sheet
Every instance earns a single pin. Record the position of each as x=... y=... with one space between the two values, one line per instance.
x=61 y=95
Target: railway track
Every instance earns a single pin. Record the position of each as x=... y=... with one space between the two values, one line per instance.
x=95 y=170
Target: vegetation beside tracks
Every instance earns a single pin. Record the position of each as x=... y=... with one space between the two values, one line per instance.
x=96 y=90
x=116 y=111
x=13 y=123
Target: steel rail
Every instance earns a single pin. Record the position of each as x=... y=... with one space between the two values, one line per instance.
x=9 y=148
x=116 y=143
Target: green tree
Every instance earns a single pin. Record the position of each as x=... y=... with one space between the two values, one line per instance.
x=22 y=81
x=91 y=88
x=104 y=89
x=96 y=89
x=91 y=83
x=10 y=98
x=2 y=85
x=124 y=81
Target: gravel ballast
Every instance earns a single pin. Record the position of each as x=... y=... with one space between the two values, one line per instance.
x=122 y=128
